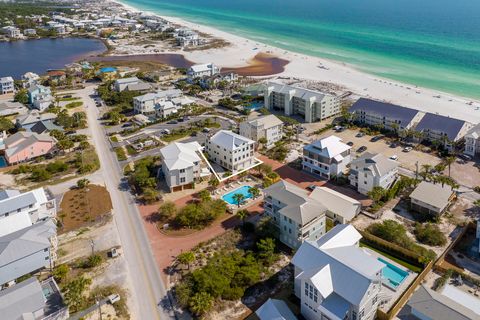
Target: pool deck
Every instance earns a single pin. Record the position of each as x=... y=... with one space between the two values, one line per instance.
x=394 y=294
x=220 y=192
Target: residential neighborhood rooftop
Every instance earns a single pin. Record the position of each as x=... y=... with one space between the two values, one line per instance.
x=403 y=114
x=433 y=194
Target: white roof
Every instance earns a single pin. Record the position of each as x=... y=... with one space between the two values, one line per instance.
x=14 y=222
x=229 y=140
x=474 y=132
x=179 y=155
x=378 y=164
x=12 y=201
x=267 y=121
x=127 y=80
x=274 y=309
x=335 y=264
x=202 y=67
x=432 y=194
x=337 y=202
x=330 y=147
x=467 y=300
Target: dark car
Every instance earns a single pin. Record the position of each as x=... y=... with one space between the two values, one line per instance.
x=361 y=149
x=465 y=157
x=350 y=143
x=172 y=122
x=376 y=138
x=360 y=134
x=393 y=145
x=311 y=187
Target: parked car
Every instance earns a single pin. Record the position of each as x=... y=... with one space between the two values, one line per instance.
x=206 y=130
x=360 y=134
x=165 y=131
x=350 y=143
x=311 y=187
x=376 y=138
x=407 y=149
x=393 y=145
x=465 y=157
x=394 y=157
x=172 y=122
x=338 y=128
x=361 y=149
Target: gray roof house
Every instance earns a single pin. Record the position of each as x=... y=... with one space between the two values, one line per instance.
x=431 y=198
x=340 y=208
x=274 y=309
x=428 y=304
x=298 y=216
x=335 y=278
x=32 y=300
x=373 y=112
x=27 y=250
x=472 y=141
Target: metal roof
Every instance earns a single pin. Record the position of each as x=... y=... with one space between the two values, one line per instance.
x=22 y=299
x=450 y=126
x=403 y=114
x=275 y=309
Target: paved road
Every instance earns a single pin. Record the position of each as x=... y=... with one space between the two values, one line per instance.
x=148 y=287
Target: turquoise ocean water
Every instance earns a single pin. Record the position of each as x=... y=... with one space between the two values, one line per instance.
x=429 y=43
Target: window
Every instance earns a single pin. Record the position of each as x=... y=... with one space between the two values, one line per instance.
x=47 y=258
x=182 y=170
x=306 y=289
x=354 y=315
x=182 y=180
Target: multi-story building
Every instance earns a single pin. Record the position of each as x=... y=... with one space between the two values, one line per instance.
x=202 y=70
x=36 y=203
x=444 y=130
x=385 y=115
x=297 y=216
x=24 y=146
x=275 y=309
x=311 y=105
x=27 y=250
x=430 y=198
x=337 y=280
x=182 y=165
x=340 y=208
x=268 y=127
x=372 y=170
x=31 y=299
x=7 y=85
x=40 y=97
x=131 y=84
x=160 y=104
x=12 y=32
x=230 y=150
x=472 y=141
x=327 y=157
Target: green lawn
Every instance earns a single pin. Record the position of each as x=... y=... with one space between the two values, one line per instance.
x=401 y=262
x=120 y=154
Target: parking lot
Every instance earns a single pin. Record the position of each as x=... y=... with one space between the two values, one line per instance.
x=407 y=159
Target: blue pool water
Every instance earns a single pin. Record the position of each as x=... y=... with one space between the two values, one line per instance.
x=3 y=162
x=245 y=190
x=393 y=274
x=255 y=105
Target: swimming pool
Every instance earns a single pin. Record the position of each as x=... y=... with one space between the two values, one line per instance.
x=254 y=105
x=393 y=274
x=229 y=197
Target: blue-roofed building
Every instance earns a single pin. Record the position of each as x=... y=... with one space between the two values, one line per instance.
x=443 y=129
x=389 y=116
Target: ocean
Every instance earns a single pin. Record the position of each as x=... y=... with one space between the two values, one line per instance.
x=429 y=43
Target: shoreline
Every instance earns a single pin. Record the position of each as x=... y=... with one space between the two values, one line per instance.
x=304 y=67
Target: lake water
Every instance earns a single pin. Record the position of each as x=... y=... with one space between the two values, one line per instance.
x=38 y=56
x=430 y=43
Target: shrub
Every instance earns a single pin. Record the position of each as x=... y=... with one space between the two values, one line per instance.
x=430 y=234
x=120 y=154
x=92 y=261
x=40 y=174
x=57 y=166
x=60 y=272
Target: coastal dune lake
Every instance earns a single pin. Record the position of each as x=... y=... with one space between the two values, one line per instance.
x=429 y=43
x=38 y=56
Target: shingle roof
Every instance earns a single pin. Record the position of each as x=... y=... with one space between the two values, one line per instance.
x=337 y=202
x=20 y=301
x=34 y=116
x=450 y=126
x=432 y=194
x=299 y=207
x=229 y=140
x=27 y=241
x=377 y=163
x=127 y=80
x=403 y=114
x=21 y=140
x=267 y=121
x=436 y=306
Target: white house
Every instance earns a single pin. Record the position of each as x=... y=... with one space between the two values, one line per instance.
x=40 y=97
x=182 y=165
x=327 y=157
x=202 y=70
x=372 y=170
x=340 y=208
x=160 y=104
x=35 y=203
x=274 y=309
x=7 y=85
x=335 y=279
x=430 y=198
x=131 y=84
x=311 y=105
x=30 y=79
x=268 y=127
x=297 y=216
x=472 y=141
x=230 y=150
x=12 y=32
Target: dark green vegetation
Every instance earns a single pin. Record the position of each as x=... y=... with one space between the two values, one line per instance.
x=143 y=179
x=15 y=11
x=429 y=234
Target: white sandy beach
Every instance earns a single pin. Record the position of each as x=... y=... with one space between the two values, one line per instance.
x=307 y=67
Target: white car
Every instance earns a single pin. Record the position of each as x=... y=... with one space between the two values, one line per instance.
x=394 y=157
x=407 y=149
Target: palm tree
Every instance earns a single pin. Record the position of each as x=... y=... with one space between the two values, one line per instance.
x=239 y=199
x=186 y=258
x=255 y=192
x=213 y=183
x=242 y=215
x=426 y=168
x=449 y=161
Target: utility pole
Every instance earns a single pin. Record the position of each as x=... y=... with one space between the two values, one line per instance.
x=92 y=244
x=416 y=170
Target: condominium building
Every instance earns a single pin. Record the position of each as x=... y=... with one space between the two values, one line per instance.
x=27 y=250
x=230 y=150
x=7 y=85
x=297 y=216
x=202 y=70
x=472 y=141
x=182 y=165
x=372 y=170
x=268 y=127
x=327 y=157
x=336 y=279
x=311 y=105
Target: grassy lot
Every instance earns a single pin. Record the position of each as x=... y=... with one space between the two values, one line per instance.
x=69 y=99
x=121 y=155
x=81 y=207
x=131 y=150
x=401 y=262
